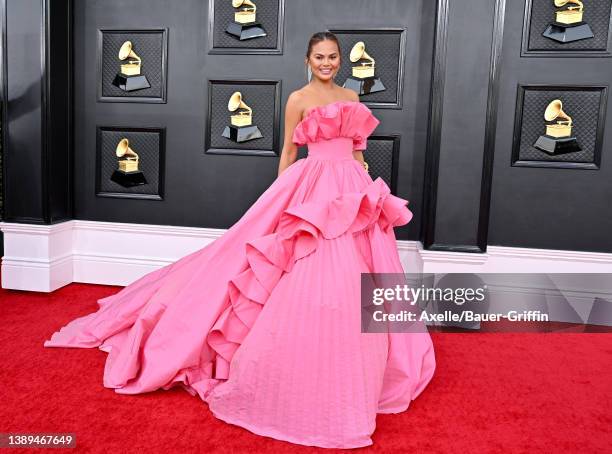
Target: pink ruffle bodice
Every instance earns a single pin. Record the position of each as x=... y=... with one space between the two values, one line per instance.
x=347 y=119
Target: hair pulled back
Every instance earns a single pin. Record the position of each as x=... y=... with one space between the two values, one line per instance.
x=322 y=36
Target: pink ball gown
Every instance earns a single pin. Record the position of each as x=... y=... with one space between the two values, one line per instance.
x=264 y=322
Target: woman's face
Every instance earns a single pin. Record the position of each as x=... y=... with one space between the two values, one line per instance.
x=324 y=59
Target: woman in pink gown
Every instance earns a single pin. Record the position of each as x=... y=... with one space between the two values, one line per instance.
x=263 y=324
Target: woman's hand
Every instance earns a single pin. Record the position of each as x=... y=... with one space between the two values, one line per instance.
x=358 y=155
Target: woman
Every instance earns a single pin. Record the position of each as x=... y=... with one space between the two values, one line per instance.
x=264 y=323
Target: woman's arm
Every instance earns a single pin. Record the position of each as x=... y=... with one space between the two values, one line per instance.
x=358 y=154
x=293 y=114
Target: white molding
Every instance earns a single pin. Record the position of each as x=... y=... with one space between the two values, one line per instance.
x=194 y=232
x=118 y=254
x=46 y=257
x=37 y=257
x=597 y=261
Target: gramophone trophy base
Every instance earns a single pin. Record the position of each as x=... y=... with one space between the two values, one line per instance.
x=564 y=33
x=131 y=83
x=242 y=133
x=128 y=179
x=364 y=86
x=245 y=31
x=556 y=146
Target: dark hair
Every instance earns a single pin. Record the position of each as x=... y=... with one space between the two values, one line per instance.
x=322 y=36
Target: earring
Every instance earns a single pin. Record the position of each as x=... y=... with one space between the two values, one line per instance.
x=309 y=73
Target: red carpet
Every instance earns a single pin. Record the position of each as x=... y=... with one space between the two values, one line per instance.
x=492 y=393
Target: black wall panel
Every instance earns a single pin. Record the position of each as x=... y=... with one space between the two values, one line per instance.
x=458 y=147
x=57 y=119
x=23 y=121
x=586 y=106
x=557 y=208
x=209 y=190
x=148 y=144
x=37 y=167
x=446 y=147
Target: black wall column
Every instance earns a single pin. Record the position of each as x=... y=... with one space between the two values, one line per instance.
x=463 y=109
x=37 y=89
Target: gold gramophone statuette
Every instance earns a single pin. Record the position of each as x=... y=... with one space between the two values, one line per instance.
x=127 y=173
x=129 y=78
x=128 y=158
x=563 y=122
x=132 y=67
x=241 y=128
x=572 y=14
x=366 y=68
x=244 y=114
x=245 y=25
x=558 y=138
x=246 y=11
x=363 y=79
x=569 y=25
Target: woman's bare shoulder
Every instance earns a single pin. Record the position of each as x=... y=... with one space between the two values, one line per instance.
x=296 y=96
x=296 y=102
x=294 y=107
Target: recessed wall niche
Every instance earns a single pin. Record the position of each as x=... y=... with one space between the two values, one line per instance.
x=588 y=35
x=130 y=162
x=243 y=117
x=254 y=27
x=377 y=76
x=382 y=156
x=578 y=110
x=132 y=65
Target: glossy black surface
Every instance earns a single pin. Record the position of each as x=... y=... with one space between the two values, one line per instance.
x=38 y=114
x=215 y=190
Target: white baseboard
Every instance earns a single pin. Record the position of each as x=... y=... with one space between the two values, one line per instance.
x=117 y=254
x=37 y=257
x=46 y=257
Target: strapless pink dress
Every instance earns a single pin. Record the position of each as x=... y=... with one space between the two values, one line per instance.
x=263 y=323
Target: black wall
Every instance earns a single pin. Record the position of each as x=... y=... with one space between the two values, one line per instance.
x=23 y=132
x=462 y=69
x=462 y=108
x=548 y=207
x=215 y=190
x=474 y=195
x=37 y=114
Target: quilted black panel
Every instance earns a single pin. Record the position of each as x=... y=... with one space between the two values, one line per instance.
x=582 y=106
x=259 y=97
x=147 y=144
x=266 y=15
x=596 y=14
x=384 y=48
x=381 y=160
x=148 y=45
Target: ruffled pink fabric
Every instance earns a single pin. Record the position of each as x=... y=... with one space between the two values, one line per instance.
x=350 y=119
x=271 y=255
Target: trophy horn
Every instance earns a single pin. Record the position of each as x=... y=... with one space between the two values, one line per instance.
x=358 y=52
x=127 y=51
x=560 y=3
x=578 y=3
x=123 y=150
x=246 y=3
x=554 y=111
x=236 y=102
